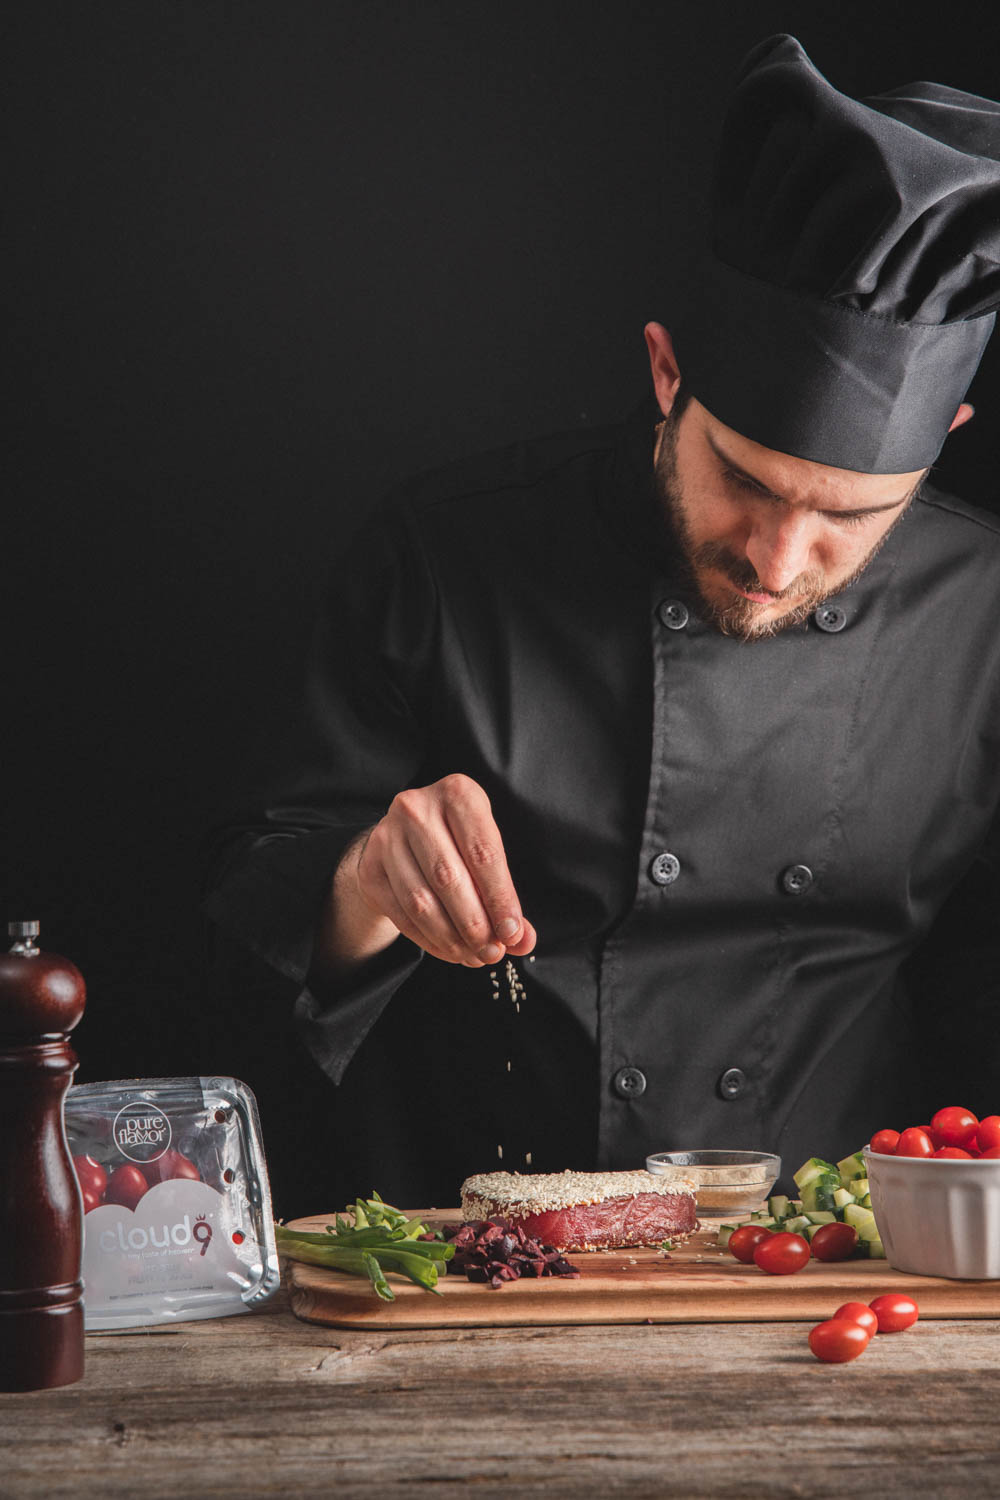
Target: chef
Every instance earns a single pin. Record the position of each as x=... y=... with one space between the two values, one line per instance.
x=646 y=788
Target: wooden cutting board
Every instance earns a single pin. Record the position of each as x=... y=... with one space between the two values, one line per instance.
x=696 y=1284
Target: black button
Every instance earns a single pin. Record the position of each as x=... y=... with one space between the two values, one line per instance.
x=796 y=879
x=629 y=1083
x=732 y=1083
x=664 y=869
x=673 y=614
x=831 y=618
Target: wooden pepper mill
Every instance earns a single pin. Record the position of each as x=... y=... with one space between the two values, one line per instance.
x=41 y=1213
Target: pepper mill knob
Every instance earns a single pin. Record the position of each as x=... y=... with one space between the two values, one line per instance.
x=41 y=994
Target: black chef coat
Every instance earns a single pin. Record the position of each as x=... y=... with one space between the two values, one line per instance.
x=730 y=850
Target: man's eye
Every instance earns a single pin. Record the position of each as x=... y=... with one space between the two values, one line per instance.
x=847 y=517
x=743 y=482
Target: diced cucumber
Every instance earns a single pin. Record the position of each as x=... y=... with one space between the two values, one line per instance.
x=863 y=1220
x=817 y=1193
x=766 y=1222
x=866 y=1201
x=726 y=1232
x=811 y=1229
x=821 y=1218
x=797 y=1224
x=814 y=1167
x=852 y=1166
x=842 y=1197
x=859 y=1187
x=778 y=1206
x=870 y=1249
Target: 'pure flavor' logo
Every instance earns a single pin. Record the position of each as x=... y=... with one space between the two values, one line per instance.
x=141 y=1132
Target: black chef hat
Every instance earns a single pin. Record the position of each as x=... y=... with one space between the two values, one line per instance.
x=855 y=265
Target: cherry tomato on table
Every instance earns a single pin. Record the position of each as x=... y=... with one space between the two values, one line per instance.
x=858 y=1312
x=988 y=1134
x=781 y=1254
x=744 y=1241
x=895 y=1311
x=884 y=1142
x=915 y=1142
x=955 y=1126
x=834 y=1242
x=838 y=1340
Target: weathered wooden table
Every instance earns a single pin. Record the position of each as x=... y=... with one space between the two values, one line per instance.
x=264 y=1404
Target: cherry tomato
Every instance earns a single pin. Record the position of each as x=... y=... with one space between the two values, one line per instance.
x=744 y=1241
x=782 y=1253
x=915 y=1142
x=858 y=1312
x=834 y=1242
x=168 y=1166
x=955 y=1125
x=988 y=1134
x=932 y=1135
x=838 y=1340
x=126 y=1186
x=894 y=1312
x=90 y=1175
x=991 y=1155
x=953 y=1153
x=884 y=1142
x=91 y=1200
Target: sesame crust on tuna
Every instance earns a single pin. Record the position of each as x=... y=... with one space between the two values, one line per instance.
x=516 y=1196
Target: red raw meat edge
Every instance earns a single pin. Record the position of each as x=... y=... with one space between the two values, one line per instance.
x=583 y=1210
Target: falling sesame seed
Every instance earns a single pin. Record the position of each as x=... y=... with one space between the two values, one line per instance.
x=500 y=1152
x=508 y=1065
x=527 y=1158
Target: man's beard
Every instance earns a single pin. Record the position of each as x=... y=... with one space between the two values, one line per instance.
x=739 y=617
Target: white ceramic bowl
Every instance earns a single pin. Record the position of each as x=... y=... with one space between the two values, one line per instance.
x=937 y=1217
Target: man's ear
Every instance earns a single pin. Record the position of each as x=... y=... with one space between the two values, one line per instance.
x=663 y=365
x=961 y=416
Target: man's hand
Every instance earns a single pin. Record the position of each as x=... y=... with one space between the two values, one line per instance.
x=433 y=869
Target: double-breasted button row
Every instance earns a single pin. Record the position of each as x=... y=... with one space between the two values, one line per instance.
x=666 y=867
x=630 y=1083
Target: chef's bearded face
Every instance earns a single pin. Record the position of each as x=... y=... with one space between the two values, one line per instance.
x=767 y=537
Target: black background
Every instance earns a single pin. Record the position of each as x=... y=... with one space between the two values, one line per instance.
x=263 y=261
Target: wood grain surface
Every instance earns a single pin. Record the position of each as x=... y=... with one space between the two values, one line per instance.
x=697 y=1283
x=264 y=1405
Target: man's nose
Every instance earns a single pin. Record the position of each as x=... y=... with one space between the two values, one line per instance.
x=779 y=547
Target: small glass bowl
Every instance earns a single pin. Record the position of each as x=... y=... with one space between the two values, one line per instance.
x=937 y=1217
x=728 y=1184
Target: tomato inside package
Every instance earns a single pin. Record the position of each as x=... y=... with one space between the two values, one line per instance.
x=177 y=1207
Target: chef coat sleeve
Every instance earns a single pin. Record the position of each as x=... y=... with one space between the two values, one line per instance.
x=954 y=981
x=358 y=741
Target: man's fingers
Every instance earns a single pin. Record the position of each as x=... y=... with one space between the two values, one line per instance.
x=467 y=813
x=459 y=938
x=447 y=877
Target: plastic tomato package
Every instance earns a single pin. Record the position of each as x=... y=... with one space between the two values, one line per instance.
x=177 y=1207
